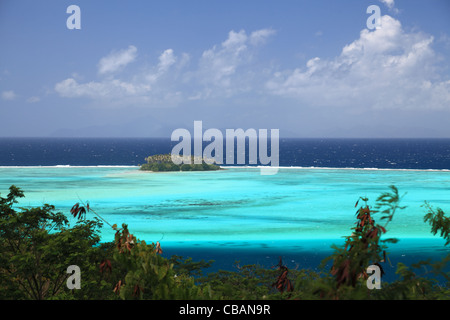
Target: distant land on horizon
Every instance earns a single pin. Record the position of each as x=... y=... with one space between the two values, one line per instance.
x=162 y=131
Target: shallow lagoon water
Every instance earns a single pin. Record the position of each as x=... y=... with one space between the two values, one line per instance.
x=239 y=214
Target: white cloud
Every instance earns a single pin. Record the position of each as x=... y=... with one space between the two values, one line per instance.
x=8 y=95
x=217 y=69
x=318 y=33
x=117 y=60
x=166 y=60
x=384 y=68
x=33 y=99
x=140 y=88
x=235 y=42
x=107 y=89
x=260 y=36
x=389 y=3
x=219 y=65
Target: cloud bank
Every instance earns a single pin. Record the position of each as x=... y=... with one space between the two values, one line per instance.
x=382 y=69
x=387 y=68
x=117 y=60
x=8 y=95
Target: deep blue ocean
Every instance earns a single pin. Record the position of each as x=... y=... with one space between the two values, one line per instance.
x=330 y=153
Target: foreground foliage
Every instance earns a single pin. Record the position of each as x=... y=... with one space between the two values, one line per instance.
x=37 y=245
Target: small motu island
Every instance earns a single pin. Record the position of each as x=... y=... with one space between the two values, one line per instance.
x=163 y=162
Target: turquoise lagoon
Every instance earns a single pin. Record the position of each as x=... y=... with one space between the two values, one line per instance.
x=237 y=213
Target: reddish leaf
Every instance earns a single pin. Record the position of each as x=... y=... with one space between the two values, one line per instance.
x=105 y=266
x=117 y=287
x=137 y=290
x=158 y=248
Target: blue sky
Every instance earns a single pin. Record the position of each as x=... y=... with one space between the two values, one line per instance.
x=145 y=68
